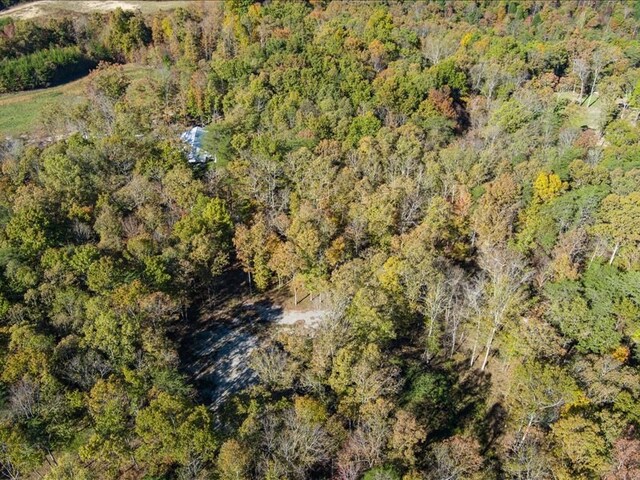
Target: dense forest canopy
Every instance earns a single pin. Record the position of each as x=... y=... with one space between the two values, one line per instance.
x=458 y=182
x=34 y=55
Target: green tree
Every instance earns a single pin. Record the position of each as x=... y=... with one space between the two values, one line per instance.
x=205 y=236
x=618 y=221
x=581 y=447
x=174 y=433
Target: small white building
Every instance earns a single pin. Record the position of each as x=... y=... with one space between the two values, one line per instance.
x=193 y=138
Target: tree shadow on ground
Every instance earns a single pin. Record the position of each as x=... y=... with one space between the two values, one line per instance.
x=217 y=338
x=451 y=398
x=448 y=397
x=492 y=426
x=489 y=429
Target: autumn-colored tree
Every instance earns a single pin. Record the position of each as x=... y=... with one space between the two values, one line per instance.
x=618 y=221
x=582 y=450
x=255 y=247
x=494 y=217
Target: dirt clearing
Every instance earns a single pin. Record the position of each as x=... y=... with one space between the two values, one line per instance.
x=217 y=347
x=42 y=8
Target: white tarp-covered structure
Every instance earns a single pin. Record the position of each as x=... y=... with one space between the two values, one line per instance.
x=193 y=138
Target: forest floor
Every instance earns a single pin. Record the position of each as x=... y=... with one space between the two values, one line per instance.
x=48 y=8
x=217 y=342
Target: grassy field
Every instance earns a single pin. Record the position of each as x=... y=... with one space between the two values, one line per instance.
x=21 y=112
x=47 y=8
x=587 y=114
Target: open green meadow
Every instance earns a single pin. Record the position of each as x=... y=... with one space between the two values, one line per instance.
x=23 y=112
x=20 y=112
x=588 y=113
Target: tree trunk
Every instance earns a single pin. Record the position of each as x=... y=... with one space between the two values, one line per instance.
x=53 y=459
x=526 y=431
x=11 y=475
x=581 y=90
x=475 y=344
x=593 y=256
x=486 y=353
x=593 y=84
x=431 y=322
x=613 y=254
x=454 y=334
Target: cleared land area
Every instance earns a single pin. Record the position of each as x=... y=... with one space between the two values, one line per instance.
x=223 y=332
x=43 y=8
x=587 y=113
x=22 y=112
x=217 y=348
x=19 y=112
